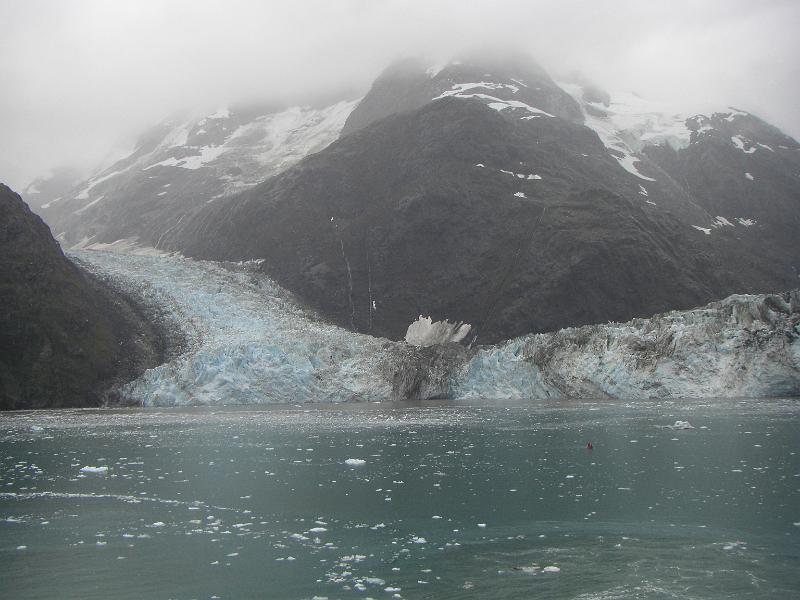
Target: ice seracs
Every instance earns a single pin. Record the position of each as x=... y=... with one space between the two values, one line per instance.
x=248 y=341
x=427 y=332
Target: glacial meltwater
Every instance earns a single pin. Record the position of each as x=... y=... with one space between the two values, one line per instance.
x=438 y=500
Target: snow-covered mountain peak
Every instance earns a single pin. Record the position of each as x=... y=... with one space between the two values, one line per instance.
x=185 y=161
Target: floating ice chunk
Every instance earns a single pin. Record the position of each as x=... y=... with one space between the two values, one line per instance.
x=98 y=470
x=746 y=222
x=22 y=547
x=520 y=195
x=705 y=230
x=682 y=425
x=551 y=570
x=391 y=590
x=749 y=176
x=355 y=462
x=532 y=176
x=642 y=190
x=426 y=332
x=480 y=165
x=419 y=540
x=318 y=529
x=36 y=428
x=158 y=524
x=737 y=545
x=482 y=525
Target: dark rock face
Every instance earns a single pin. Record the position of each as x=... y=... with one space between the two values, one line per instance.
x=748 y=172
x=490 y=204
x=64 y=338
x=480 y=192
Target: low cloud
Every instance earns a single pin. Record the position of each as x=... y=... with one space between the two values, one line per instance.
x=81 y=79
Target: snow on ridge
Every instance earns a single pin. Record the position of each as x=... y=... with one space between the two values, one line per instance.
x=740 y=143
x=628 y=124
x=735 y=112
x=722 y=222
x=84 y=194
x=270 y=142
x=92 y=203
x=221 y=113
x=458 y=91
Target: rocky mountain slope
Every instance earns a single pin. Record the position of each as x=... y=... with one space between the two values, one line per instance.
x=184 y=162
x=65 y=339
x=487 y=195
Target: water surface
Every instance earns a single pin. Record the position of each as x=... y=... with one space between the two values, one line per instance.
x=451 y=501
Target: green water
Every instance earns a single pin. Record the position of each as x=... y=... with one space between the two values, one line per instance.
x=452 y=501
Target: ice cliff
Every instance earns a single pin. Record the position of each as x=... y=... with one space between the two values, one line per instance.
x=250 y=341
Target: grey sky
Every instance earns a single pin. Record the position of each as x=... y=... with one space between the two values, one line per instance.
x=81 y=78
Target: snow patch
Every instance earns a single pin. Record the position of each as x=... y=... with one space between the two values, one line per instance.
x=722 y=222
x=629 y=123
x=493 y=102
x=705 y=230
x=84 y=194
x=741 y=143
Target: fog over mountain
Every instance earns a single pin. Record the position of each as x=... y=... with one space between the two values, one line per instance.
x=82 y=79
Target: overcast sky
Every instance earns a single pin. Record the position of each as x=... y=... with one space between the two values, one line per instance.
x=81 y=78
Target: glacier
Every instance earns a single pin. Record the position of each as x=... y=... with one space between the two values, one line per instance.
x=249 y=341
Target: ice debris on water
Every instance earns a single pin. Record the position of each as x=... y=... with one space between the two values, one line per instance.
x=355 y=462
x=682 y=425
x=97 y=470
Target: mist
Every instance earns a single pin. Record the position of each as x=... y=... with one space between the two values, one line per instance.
x=82 y=79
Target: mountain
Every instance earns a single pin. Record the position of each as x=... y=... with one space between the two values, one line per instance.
x=486 y=196
x=186 y=161
x=65 y=338
x=49 y=189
